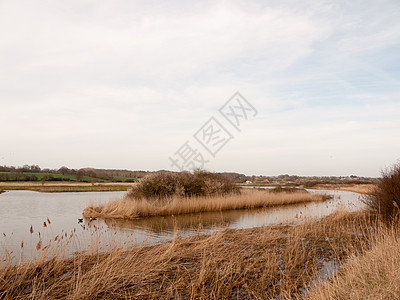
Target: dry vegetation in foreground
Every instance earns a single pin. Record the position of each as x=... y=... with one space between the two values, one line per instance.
x=258 y=263
x=131 y=208
x=373 y=275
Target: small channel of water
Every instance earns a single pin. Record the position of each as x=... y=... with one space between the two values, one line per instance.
x=19 y=210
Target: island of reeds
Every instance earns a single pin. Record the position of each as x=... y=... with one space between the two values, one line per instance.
x=167 y=193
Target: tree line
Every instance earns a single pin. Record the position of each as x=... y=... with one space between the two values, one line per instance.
x=12 y=173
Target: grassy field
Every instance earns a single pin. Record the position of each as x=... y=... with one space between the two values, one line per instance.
x=66 y=177
x=259 y=263
x=71 y=177
x=131 y=208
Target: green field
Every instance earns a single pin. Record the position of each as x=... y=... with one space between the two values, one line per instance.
x=70 y=177
x=67 y=177
x=123 y=178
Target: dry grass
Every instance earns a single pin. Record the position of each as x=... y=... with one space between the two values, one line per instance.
x=373 y=275
x=56 y=187
x=131 y=208
x=356 y=188
x=258 y=263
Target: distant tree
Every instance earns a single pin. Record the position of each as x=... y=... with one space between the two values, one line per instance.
x=25 y=168
x=13 y=176
x=64 y=170
x=35 y=169
x=4 y=177
x=79 y=175
x=48 y=177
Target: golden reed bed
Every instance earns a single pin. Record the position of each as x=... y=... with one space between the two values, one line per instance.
x=129 y=208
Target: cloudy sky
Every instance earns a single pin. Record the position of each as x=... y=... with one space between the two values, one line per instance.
x=124 y=84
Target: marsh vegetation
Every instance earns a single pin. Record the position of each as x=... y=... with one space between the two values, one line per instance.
x=346 y=255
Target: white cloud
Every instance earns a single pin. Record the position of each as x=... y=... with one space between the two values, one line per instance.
x=137 y=78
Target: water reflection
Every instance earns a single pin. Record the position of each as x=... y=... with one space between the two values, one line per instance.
x=245 y=218
x=158 y=225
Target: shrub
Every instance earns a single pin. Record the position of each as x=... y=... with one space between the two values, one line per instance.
x=47 y=177
x=280 y=189
x=310 y=184
x=33 y=178
x=385 y=197
x=129 y=180
x=164 y=185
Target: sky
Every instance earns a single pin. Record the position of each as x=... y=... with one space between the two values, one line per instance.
x=134 y=84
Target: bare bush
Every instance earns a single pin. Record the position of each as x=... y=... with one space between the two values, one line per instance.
x=385 y=197
x=164 y=185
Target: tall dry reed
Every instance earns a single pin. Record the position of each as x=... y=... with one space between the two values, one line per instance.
x=373 y=274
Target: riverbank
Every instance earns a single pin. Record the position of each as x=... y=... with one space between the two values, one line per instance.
x=130 y=208
x=58 y=187
x=356 y=188
x=265 y=262
x=372 y=275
